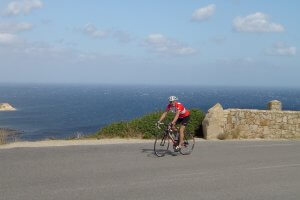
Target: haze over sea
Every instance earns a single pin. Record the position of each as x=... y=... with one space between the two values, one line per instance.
x=62 y=111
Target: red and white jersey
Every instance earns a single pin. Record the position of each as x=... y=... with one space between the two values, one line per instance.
x=183 y=112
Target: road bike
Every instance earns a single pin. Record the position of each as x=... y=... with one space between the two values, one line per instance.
x=167 y=136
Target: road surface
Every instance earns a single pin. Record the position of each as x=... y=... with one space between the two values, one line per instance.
x=247 y=170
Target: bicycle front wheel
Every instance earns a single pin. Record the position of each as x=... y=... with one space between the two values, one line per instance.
x=161 y=144
x=188 y=144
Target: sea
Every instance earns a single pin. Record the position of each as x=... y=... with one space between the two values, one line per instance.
x=58 y=111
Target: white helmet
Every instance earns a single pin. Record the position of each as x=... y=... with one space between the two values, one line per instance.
x=172 y=98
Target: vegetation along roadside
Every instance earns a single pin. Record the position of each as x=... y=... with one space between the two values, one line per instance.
x=144 y=127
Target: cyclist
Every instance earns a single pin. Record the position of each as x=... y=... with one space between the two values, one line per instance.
x=182 y=116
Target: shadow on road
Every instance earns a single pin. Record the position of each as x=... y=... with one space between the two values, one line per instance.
x=150 y=153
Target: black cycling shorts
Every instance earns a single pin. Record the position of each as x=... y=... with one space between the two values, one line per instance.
x=184 y=121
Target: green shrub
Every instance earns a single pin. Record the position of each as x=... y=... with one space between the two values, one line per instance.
x=144 y=127
x=195 y=123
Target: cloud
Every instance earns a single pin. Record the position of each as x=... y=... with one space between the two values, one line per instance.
x=163 y=45
x=281 y=49
x=219 y=40
x=122 y=37
x=204 y=13
x=8 y=32
x=92 y=31
x=8 y=38
x=245 y=61
x=14 y=27
x=17 y=51
x=12 y=47
x=257 y=22
x=22 y=7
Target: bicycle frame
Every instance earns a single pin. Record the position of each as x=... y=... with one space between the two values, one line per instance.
x=167 y=135
x=168 y=132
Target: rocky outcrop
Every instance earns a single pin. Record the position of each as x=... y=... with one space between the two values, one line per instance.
x=213 y=123
x=250 y=123
x=6 y=107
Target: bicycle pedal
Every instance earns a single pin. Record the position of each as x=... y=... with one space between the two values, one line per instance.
x=177 y=149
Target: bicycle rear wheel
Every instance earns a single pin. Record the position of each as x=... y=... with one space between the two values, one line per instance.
x=161 y=144
x=188 y=144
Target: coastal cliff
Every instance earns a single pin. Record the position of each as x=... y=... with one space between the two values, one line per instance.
x=6 y=107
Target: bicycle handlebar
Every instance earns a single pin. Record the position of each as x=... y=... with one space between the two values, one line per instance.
x=158 y=124
x=161 y=123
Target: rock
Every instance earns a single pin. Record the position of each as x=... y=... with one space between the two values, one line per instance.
x=274 y=105
x=6 y=107
x=213 y=125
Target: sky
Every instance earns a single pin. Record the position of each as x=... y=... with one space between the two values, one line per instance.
x=157 y=42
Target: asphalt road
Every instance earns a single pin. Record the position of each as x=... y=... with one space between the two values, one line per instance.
x=240 y=170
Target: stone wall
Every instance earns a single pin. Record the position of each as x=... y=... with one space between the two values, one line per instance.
x=247 y=123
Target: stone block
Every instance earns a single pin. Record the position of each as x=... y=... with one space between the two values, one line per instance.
x=274 y=105
x=213 y=124
x=284 y=119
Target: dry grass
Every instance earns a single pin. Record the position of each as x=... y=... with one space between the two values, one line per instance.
x=236 y=133
x=223 y=136
x=8 y=135
x=3 y=136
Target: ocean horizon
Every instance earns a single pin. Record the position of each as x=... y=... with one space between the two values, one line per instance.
x=65 y=110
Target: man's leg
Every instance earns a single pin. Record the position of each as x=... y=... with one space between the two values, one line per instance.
x=182 y=128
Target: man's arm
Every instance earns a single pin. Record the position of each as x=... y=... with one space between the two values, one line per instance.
x=176 y=117
x=163 y=116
